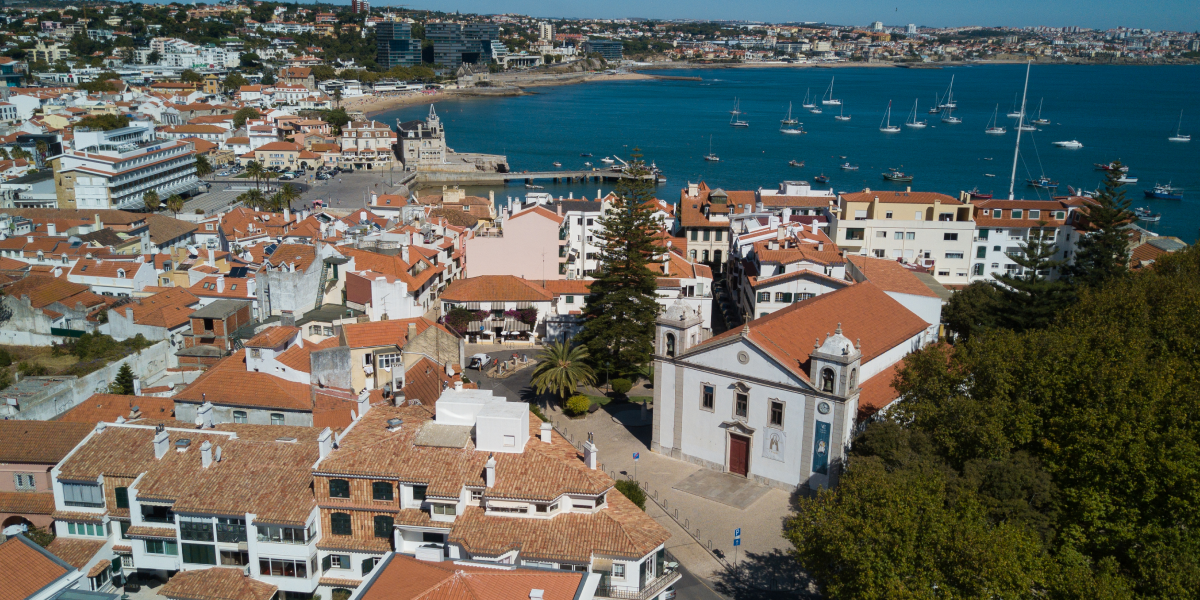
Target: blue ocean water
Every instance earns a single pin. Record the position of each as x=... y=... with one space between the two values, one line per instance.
x=1116 y=112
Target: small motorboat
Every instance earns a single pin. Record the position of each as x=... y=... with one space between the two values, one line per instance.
x=608 y=161
x=978 y=195
x=846 y=166
x=898 y=176
x=1144 y=214
x=816 y=110
x=792 y=130
x=796 y=163
x=557 y=164
x=1163 y=192
x=1110 y=167
x=989 y=174
x=1043 y=182
x=587 y=164
x=822 y=178
x=1071 y=144
x=531 y=186
x=585 y=154
x=1127 y=179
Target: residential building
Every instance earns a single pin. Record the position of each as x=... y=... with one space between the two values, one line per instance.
x=396 y=46
x=580 y=233
x=115 y=168
x=282 y=156
x=213 y=332
x=367 y=145
x=607 y=49
x=38 y=574
x=784 y=266
x=380 y=353
x=515 y=307
x=113 y=277
x=444 y=580
x=12 y=73
x=765 y=401
x=458 y=43
x=528 y=244
x=925 y=228
x=156 y=317
x=704 y=217
x=301 y=76
x=1003 y=226
x=28 y=451
x=50 y=53
x=474 y=477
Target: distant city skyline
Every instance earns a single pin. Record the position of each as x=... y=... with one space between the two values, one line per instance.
x=1179 y=15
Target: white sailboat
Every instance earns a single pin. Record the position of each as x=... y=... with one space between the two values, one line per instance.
x=912 y=119
x=808 y=103
x=994 y=127
x=840 y=116
x=710 y=156
x=933 y=110
x=788 y=120
x=948 y=117
x=829 y=100
x=1023 y=126
x=1014 y=113
x=816 y=110
x=1179 y=136
x=949 y=100
x=736 y=119
x=886 y=125
x=1039 y=120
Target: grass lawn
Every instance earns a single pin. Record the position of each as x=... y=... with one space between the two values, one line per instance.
x=601 y=400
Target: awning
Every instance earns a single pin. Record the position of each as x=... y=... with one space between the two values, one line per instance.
x=472 y=306
x=521 y=305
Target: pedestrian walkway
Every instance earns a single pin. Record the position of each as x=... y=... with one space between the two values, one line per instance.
x=726 y=488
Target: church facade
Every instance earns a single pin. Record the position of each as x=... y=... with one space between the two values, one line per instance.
x=779 y=400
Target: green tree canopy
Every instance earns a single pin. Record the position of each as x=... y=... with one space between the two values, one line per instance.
x=190 y=76
x=323 y=72
x=103 y=122
x=150 y=199
x=123 y=384
x=1102 y=252
x=239 y=117
x=175 y=204
x=233 y=82
x=203 y=167
x=561 y=369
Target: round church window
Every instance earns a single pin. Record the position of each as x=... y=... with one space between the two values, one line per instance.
x=743 y=357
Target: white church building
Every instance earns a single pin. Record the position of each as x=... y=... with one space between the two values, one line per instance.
x=778 y=400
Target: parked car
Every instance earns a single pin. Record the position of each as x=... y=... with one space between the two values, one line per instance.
x=287 y=177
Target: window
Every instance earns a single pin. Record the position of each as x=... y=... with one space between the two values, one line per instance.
x=720 y=235
x=802 y=296
x=827 y=380
x=235 y=558
x=255 y=353
x=853 y=378
x=418 y=492
x=783 y=296
x=282 y=535
x=1060 y=215
x=981 y=252
x=977 y=269
x=899 y=235
x=910 y=235
x=707 y=234
x=239 y=416
x=855 y=233
x=570 y=300
x=917 y=216
x=880 y=253
x=741 y=405
x=881 y=235
x=83 y=494
x=776 y=413
x=618 y=570
x=764 y=296
x=384 y=526
x=983 y=234
x=860 y=215
x=704 y=255
x=693 y=232
x=445 y=509
x=387 y=361
x=381 y=490
x=285 y=567
x=231 y=530
x=339 y=524
x=339 y=488
x=670 y=339
x=433 y=538
x=946 y=217
x=953 y=255
x=85 y=529
x=122 y=496
x=887 y=215
x=157 y=514
x=196 y=529
x=165 y=547
x=335 y=561
x=276 y=418
x=25 y=482
x=706 y=398
x=1017 y=213
x=368 y=564
x=199 y=554
x=1035 y=214
x=950 y=237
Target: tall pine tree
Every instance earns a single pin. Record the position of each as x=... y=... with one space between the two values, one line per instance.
x=621 y=308
x=123 y=383
x=1032 y=299
x=1103 y=248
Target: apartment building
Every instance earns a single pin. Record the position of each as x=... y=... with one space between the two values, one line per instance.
x=396 y=46
x=367 y=145
x=458 y=43
x=28 y=452
x=115 y=168
x=929 y=229
x=704 y=219
x=1002 y=226
x=790 y=264
x=473 y=477
x=580 y=233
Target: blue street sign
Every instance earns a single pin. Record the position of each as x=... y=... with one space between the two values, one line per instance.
x=737 y=532
x=737 y=541
x=636 y=455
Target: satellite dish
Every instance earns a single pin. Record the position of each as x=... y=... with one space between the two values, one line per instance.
x=217 y=454
x=199 y=420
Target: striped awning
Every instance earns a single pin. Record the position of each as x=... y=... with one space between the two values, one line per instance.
x=472 y=306
x=521 y=305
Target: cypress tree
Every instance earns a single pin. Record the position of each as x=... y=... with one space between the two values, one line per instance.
x=123 y=383
x=1103 y=248
x=622 y=304
x=1031 y=300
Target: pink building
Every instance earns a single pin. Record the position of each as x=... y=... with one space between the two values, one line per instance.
x=527 y=245
x=28 y=450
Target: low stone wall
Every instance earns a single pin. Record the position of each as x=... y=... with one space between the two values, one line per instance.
x=147 y=364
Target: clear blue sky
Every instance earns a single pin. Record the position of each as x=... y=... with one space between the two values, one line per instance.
x=1099 y=14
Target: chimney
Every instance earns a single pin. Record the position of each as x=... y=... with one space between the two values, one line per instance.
x=287 y=215
x=492 y=197
x=536 y=594
x=206 y=454
x=458 y=386
x=325 y=442
x=250 y=283
x=362 y=217
x=571 y=196
x=220 y=283
x=395 y=424
x=204 y=416
x=51 y=229
x=212 y=257
x=100 y=427
x=364 y=402
x=162 y=443
x=781 y=233
x=449 y=369
x=404 y=253
x=598 y=196
x=590 y=452
x=490 y=477
x=820 y=246
x=545 y=433
x=559 y=212
x=137 y=385
x=412 y=332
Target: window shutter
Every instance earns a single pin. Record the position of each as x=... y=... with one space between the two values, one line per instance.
x=325 y=563
x=122 y=495
x=367 y=565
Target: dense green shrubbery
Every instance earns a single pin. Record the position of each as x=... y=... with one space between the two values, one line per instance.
x=577 y=405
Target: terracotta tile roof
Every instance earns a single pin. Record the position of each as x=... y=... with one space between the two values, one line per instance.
x=495 y=288
x=890 y=276
x=146 y=531
x=279 y=147
x=235 y=287
x=1145 y=252
x=229 y=383
x=406 y=578
x=27 y=503
x=107 y=407
x=169 y=309
x=27 y=570
x=300 y=255
x=558 y=287
x=865 y=312
x=454 y=217
x=66 y=515
x=39 y=442
x=425 y=380
x=691 y=209
x=217 y=583
x=892 y=197
x=299 y=356
x=395 y=266
x=541 y=212
x=45 y=291
x=272 y=337
x=75 y=552
x=877 y=392
x=384 y=333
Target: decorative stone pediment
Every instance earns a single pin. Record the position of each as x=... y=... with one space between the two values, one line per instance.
x=738 y=427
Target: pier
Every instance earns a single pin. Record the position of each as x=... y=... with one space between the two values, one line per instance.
x=529 y=177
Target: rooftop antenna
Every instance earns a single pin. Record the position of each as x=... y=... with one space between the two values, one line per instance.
x=1020 y=121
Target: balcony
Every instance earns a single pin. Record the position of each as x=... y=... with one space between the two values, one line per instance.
x=651 y=590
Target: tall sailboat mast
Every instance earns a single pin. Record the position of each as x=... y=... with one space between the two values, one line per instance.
x=1017 y=150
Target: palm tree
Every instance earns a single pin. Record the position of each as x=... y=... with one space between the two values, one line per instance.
x=288 y=194
x=252 y=199
x=175 y=204
x=561 y=369
x=203 y=167
x=268 y=176
x=255 y=170
x=150 y=199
